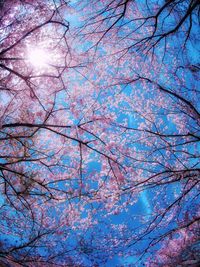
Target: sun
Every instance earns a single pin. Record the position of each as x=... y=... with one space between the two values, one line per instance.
x=38 y=57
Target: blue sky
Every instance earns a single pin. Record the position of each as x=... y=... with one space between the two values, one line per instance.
x=130 y=105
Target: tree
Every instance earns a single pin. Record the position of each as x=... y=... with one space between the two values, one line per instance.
x=167 y=128
x=144 y=26
x=182 y=250
x=85 y=136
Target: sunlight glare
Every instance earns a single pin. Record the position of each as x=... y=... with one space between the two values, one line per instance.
x=38 y=57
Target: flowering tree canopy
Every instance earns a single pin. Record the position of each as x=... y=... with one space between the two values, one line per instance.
x=99 y=133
